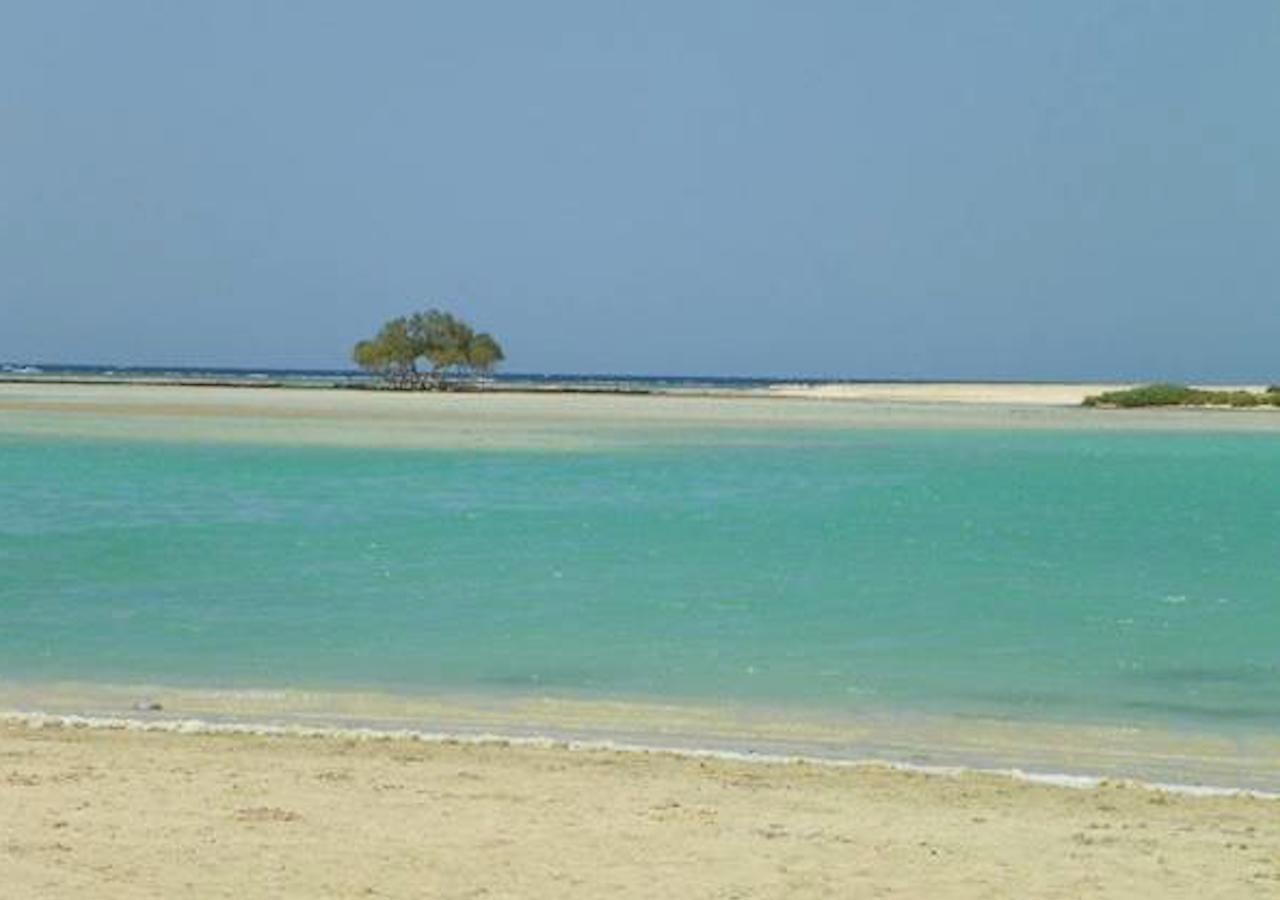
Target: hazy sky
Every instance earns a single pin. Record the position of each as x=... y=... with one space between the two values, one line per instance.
x=862 y=189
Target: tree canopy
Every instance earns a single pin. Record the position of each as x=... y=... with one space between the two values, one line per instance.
x=449 y=346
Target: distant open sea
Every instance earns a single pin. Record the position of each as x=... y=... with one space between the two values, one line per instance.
x=1064 y=576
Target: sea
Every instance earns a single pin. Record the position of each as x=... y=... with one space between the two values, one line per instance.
x=1116 y=581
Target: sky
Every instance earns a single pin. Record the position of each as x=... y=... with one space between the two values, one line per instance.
x=858 y=189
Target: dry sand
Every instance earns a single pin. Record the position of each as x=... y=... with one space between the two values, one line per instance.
x=106 y=814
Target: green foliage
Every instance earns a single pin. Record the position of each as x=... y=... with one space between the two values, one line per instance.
x=1181 y=395
x=449 y=345
x=484 y=353
x=1148 y=395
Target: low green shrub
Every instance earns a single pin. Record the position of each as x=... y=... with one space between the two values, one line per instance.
x=1147 y=395
x=1180 y=395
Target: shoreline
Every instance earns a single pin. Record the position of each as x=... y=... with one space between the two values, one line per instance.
x=1180 y=758
x=194 y=726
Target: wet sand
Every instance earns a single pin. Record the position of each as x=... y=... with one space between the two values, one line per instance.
x=1077 y=752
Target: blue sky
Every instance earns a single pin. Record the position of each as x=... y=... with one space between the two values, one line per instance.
x=859 y=189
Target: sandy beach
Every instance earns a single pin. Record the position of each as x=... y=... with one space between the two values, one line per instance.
x=127 y=814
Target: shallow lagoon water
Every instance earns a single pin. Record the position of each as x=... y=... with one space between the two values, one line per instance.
x=1110 y=577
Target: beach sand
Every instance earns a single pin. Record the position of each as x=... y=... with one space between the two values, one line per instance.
x=105 y=814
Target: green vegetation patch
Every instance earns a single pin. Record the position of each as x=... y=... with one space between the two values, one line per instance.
x=1181 y=395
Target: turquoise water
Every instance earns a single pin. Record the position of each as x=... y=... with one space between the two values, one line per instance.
x=1076 y=576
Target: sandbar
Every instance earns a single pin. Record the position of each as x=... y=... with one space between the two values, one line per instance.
x=541 y=420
